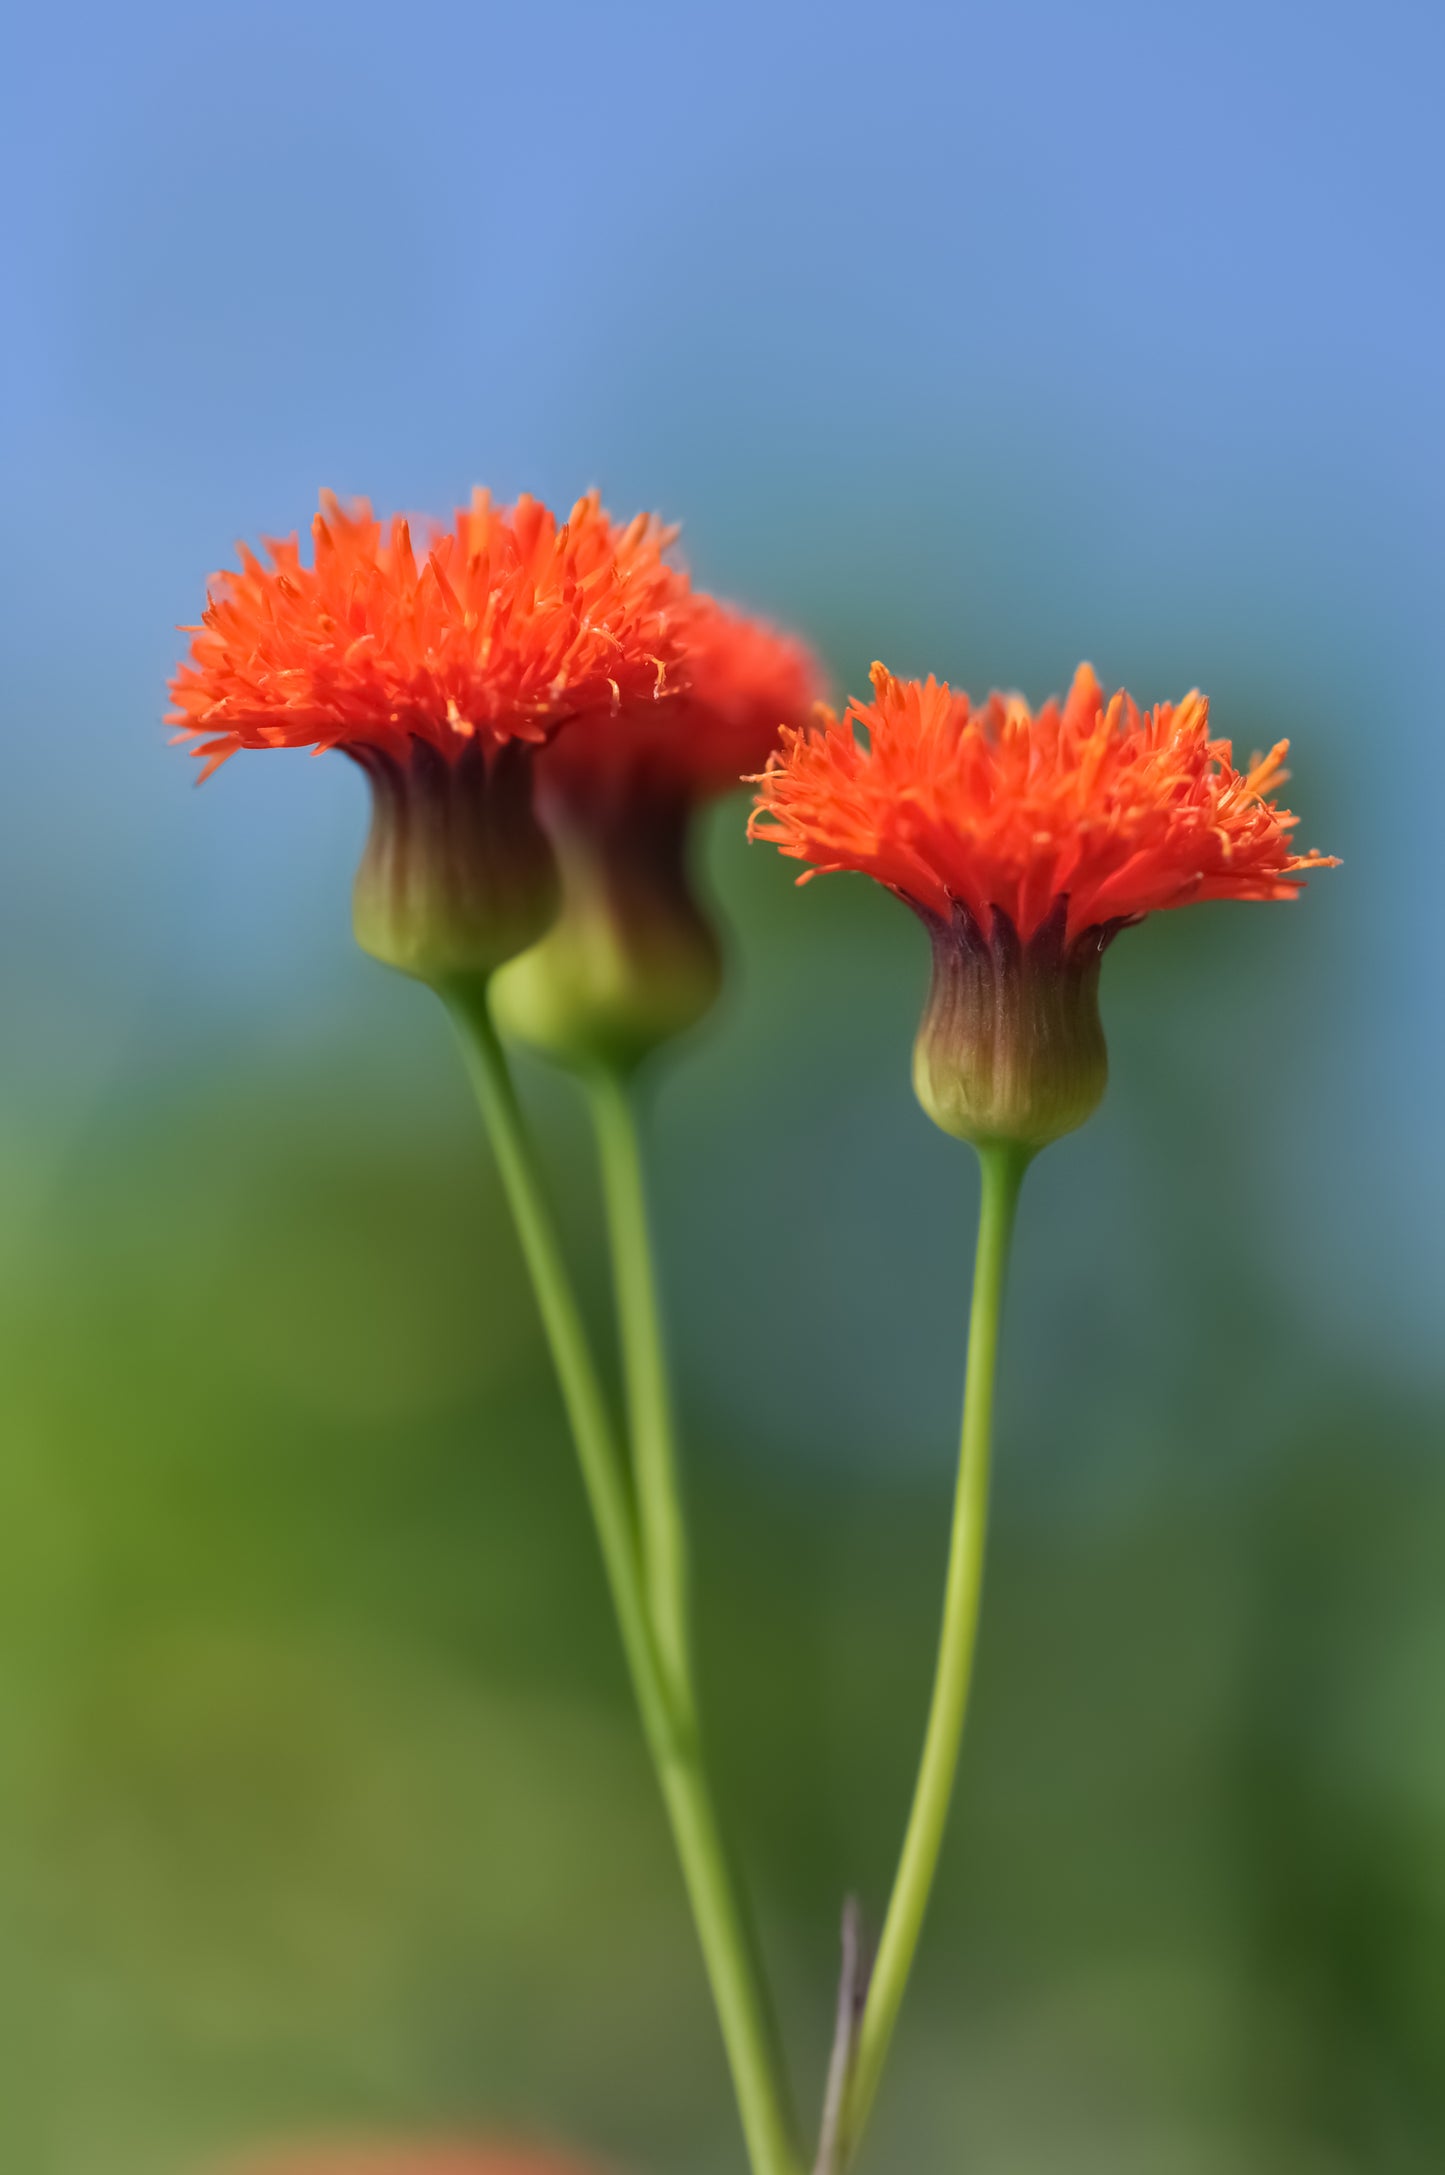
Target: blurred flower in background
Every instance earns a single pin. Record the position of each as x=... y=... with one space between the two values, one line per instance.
x=417 y=2158
x=633 y=957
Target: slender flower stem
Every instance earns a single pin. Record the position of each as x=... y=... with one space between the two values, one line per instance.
x=649 y=1400
x=1003 y=1169
x=669 y=1723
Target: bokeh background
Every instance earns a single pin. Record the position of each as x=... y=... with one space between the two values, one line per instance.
x=979 y=338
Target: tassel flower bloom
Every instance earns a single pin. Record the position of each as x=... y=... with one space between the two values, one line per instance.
x=632 y=958
x=509 y=624
x=1025 y=842
x=439 y=673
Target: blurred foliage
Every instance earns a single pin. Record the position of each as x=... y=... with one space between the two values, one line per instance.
x=320 y=1797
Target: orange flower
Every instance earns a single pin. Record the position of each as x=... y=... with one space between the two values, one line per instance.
x=438 y=677
x=1092 y=804
x=511 y=624
x=741 y=683
x=1025 y=843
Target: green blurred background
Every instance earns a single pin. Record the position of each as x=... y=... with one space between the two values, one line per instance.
x=978 y=340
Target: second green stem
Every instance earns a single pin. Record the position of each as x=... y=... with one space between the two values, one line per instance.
x=649 y=1399
x=658 y=1482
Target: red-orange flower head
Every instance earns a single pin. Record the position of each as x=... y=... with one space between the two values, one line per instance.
x=632 y=959
x=512 y=623
x=1025 y=842
x=439 y=674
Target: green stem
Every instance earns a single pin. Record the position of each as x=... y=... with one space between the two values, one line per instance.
x=649 y=1401
x=1003 y=1169
x=668 y=1723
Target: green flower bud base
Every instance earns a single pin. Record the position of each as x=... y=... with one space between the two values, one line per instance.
x=631 y=960
x=1011 y=1050
x=456 y=875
